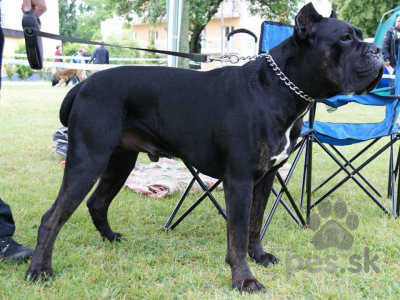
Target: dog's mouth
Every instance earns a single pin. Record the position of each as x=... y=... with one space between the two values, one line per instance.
x=374 y=82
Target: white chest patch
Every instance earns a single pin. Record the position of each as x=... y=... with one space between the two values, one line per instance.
x=284 y=154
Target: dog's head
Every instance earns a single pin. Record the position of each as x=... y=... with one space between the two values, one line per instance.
x=55 y=79
x=342 y=62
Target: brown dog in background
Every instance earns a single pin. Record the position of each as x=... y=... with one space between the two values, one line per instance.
x=61 y=76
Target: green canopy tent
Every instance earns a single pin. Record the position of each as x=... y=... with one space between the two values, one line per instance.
x=379 y=36
x=384 y=26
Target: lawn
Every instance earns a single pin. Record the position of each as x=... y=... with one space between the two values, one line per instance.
x=188 y=262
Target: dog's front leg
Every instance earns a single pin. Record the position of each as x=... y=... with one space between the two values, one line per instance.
x=260 y=199
x=238 y=194
x=62 y=80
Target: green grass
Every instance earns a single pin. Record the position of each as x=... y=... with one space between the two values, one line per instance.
x=188 y=262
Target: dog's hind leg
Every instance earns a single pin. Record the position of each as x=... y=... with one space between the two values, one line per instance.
x=113 y=178
x=260 y=198
x=87 y=158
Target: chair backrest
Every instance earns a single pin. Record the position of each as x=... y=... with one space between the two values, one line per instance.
x=272 y=34
x=348 y=133
x=363 y=131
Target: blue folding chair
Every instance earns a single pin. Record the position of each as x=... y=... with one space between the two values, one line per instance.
x=344 y=134
x=341 y=135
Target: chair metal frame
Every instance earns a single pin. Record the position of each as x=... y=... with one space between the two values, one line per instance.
x=306 y=145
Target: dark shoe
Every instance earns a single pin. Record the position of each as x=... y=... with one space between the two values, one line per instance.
x=11 y=250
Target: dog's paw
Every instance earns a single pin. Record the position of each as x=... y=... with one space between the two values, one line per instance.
x=265 y=259
x=114 y=236
x=39 y=275
x=250 y=285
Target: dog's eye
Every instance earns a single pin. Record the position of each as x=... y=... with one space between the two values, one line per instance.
x=345 y=38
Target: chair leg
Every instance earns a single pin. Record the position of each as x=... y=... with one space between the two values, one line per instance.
x=304 y=175
x=396 y=172
x=194 y=205
x=397 y=164
x=303 y=223
x=279 y=196
x=351 y=174
x=207 y=192
x=390 y=181
x=215 y=202
x=175 y=211
x=398 y=198
x=308 y=180
x=348 y=162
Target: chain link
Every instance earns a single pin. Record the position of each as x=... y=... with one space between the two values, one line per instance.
x=234 y=59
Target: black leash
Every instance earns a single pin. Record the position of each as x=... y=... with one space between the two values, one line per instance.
x=35 y=32
x=33 y=42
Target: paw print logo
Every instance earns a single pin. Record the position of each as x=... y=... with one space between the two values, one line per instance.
x=332 y=233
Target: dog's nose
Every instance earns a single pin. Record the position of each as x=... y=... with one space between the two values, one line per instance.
x=375 y=49
x=372 y=49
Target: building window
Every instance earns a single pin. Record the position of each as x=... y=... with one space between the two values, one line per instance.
x=153 y=34
x=228 y=29
x=203 y=39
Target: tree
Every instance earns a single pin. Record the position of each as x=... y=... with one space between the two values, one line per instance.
x=152 y=46
x=83 y=20
x=201 y=12
x=283 y=11
x=92 y=12
x=365 y=14
x=67 y=17
x=125 y=39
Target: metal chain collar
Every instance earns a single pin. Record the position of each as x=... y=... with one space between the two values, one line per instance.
x=234 y=59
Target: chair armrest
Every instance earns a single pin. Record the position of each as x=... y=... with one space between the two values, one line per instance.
x=382 y=90
x=367 y=99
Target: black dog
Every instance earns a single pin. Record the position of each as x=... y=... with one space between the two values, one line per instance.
x=235 y=123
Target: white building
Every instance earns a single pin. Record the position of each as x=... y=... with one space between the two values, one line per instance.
x=232 y=15
x=11 y=21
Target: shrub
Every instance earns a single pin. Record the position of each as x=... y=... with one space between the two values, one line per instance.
x=9 y=70
x=23 y=71
x=124 y=39
x=70 y=48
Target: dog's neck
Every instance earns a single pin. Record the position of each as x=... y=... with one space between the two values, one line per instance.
x=292 y=61
x=284 y=54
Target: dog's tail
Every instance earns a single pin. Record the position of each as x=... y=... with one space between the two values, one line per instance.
x=66 y=106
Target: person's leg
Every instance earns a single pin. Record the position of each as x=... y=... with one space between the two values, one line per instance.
x=391 y=83
x=9 y=248
x=7 y=225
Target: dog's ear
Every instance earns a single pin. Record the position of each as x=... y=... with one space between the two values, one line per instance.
x=306 y=22
x=333 y=15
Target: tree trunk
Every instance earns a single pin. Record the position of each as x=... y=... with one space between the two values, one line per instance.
x=195 y=40
x=184 y=36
